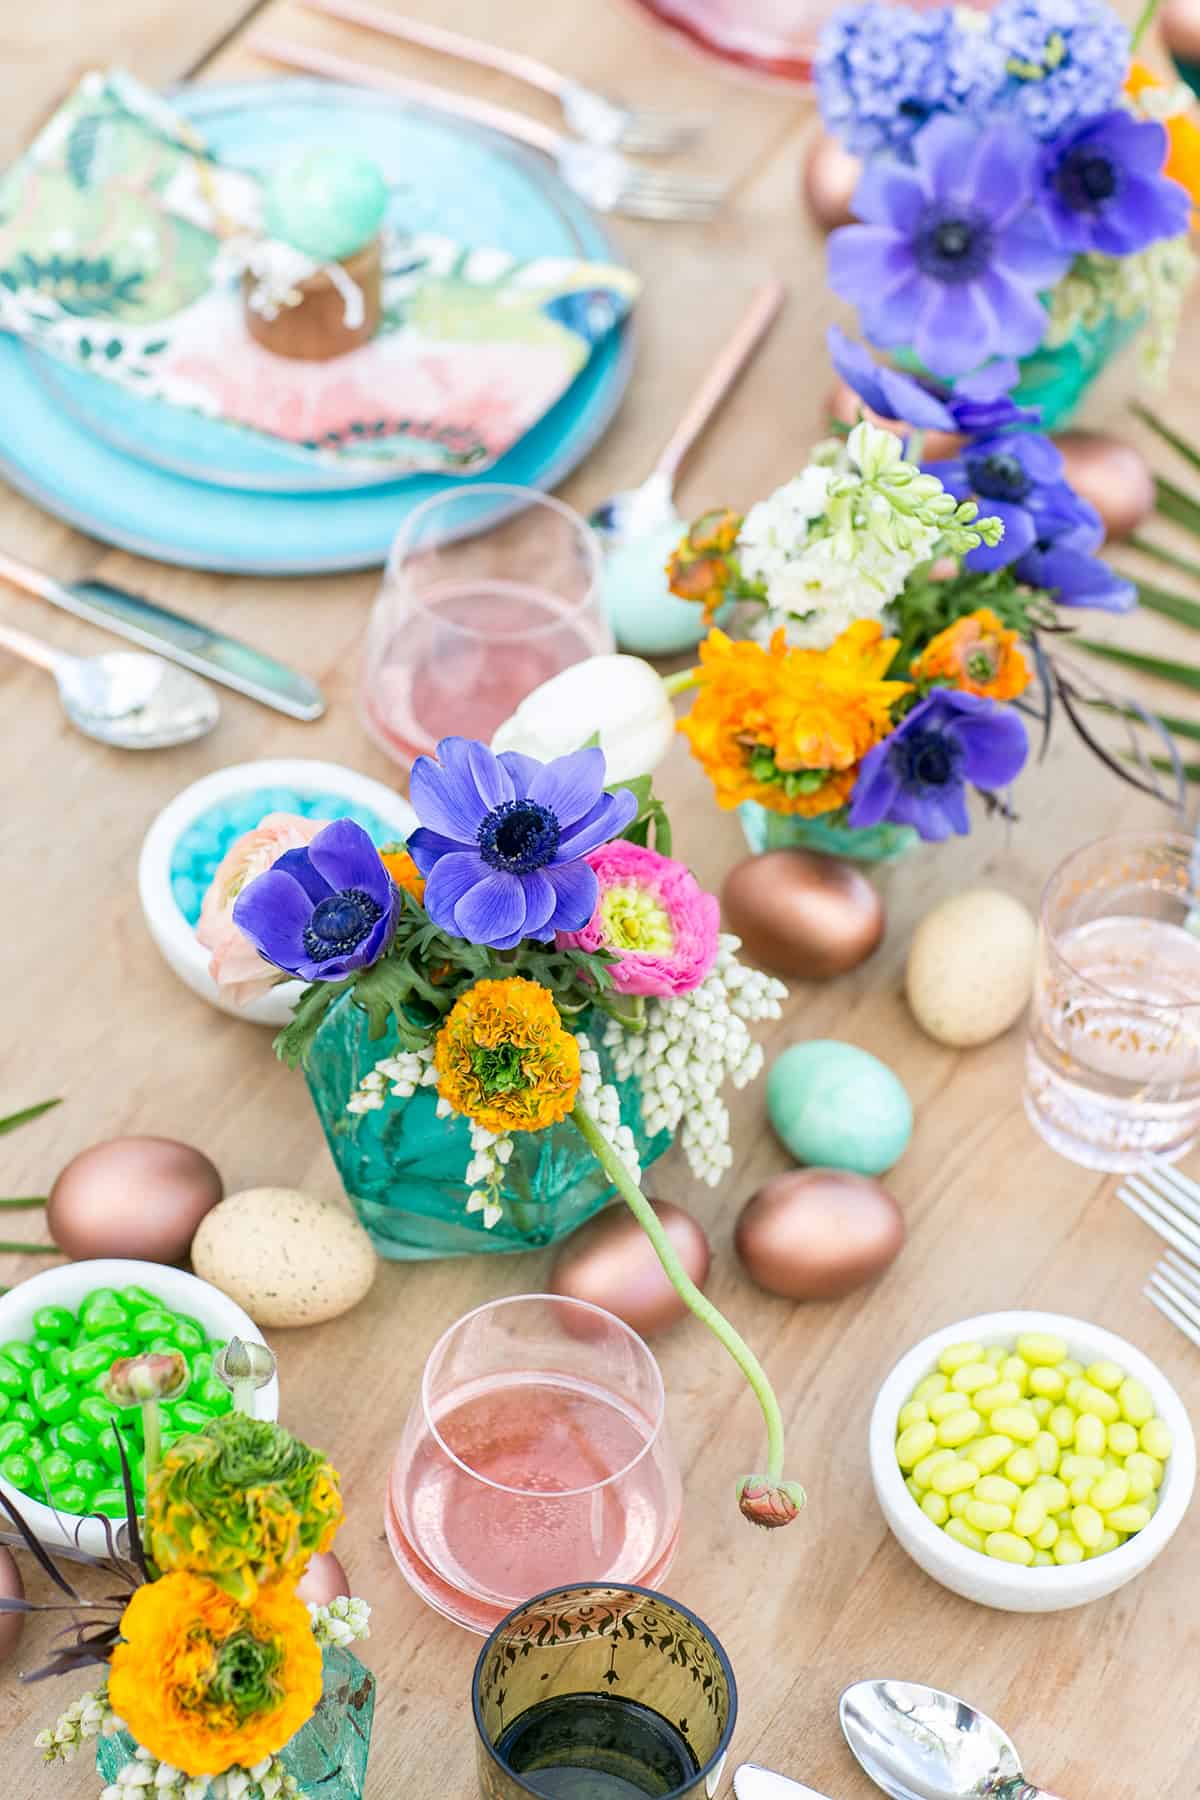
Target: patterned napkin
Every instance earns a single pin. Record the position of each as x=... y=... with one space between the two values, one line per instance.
x=111 y=229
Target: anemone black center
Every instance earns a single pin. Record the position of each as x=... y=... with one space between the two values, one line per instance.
x=926 y=759
x=340 y=923
x=952 y=246
x=998 y=476
x=1086 y=179
x=519 y=836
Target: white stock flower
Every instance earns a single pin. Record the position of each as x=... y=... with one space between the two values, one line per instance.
x=619 y=700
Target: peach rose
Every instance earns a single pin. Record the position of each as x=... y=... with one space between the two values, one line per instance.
x=236 y=965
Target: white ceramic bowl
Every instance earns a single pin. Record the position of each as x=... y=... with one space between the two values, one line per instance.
x=68 y=1287
x=1009 y=1586
x=169 y=928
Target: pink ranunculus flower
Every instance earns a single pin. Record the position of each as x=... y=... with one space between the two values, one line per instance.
x=654 y=916
x=236 y=966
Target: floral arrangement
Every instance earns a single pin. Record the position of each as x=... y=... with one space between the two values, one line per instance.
x=213 y=1664
x=533 y=916
x=1020 y=186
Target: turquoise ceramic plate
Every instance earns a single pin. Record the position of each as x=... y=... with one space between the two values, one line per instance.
x=72 y=439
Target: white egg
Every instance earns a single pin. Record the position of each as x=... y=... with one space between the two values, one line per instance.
x=289 y=1258
x=646 y=617
x=970 y=967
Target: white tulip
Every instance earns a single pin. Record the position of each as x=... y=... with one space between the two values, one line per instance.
x=619 y=700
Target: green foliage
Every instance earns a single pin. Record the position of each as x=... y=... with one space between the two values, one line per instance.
x=83 y=286
x=27 y=1115
x=650 y=825
x=926 y=607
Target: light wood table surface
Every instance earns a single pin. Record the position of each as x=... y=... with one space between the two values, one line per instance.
x=1100 y=1701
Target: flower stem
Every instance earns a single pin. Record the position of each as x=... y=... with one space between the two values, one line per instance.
x=1145 y=20
x=686 y=1288
x=23 y=1202
x=680 y=682
x=152 y=1432
x=23 y=1249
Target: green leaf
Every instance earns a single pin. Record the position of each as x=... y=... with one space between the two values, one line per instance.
x=1171 y=557
x=24 y=1202
x=1164 y=431
x=1174 y=504
x=294 y=1042
x=30 y=1113
x=1171 y=606
x=22 y=1249
x=1183 y=674
x=1191 y=771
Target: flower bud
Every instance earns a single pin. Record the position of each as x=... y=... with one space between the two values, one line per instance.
x=769 y=1504
x=619 y=700
x=240 y=1361
x=156 y=1375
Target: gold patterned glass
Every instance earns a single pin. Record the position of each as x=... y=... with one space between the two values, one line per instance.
x=1112 y=1066
x=600 y=1693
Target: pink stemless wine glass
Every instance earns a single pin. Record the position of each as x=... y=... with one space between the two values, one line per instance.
x=534 y=1455
x=465 y=626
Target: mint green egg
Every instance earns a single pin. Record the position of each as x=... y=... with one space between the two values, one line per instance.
x=646 y=617
x=837 y=1107
x=326 y=202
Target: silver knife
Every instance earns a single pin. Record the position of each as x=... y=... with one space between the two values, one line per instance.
x=224 y=659
x=753 y=1783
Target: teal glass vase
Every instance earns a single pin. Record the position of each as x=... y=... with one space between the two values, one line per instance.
x=829 y=835
x=327 y=1758
x=1057 y=380
x=403 y=1168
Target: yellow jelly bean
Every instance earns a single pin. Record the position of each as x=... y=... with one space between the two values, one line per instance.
x=1008 y=1547
x=915 y=1443
x=1016 y=1422
x=958 y=1356
x=1122 y=1438
x=959 y=1503
x=987 y=1453
x=1074 y=1464
x=1053 y=1491
x=952 y=1477
x=1070 y=1369
x=1022 y=1467
x=1042 y=1559
x=1106 y=1375
x=914 y=1412
x=915 y=1489
x=1041 y=1406
x=1128 y=1518
x=1048 y=1383
x=1075 y=1388
x=1046 y=1536
x=1144 y=1472
x=942 y=1405
x=930 y=1387
x=1156 y=1440
x=1061 y=1421
x=1081 y=1489
x=1001 y=1393
x=936 y=1507
x=1030 y=1515
x=1136 y=1405
x=972 y=1376
x=995 y=1354
x=1087 y=1525
x=1068 y=1549
x=1047 y=1452
x=1041 y=1348
x=1109 y=1540
x=1111 y=1490
x=1089 y=1435
x=965 y=1534
x=1094 y=1400
x=923 y=1472
x=1016 y=1370
x=959 y=1428
x=986 y=1515
x=997 y=1490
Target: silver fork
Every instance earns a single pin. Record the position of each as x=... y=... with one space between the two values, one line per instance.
x=603 y=178
x=1170 y=1203
x=1175 y=1290
x=590 y=115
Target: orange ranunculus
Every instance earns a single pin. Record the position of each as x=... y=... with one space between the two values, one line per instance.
x=505 y=1059
x=404 y=872
x=977 y=654
x=787 y=727
x=699 y=569
x=1183 y=134
x=204 y=1682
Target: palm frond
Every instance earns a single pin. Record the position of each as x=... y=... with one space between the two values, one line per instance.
x=1175 y=505
x=1182 y=674
x=1161 y=429
x=1185 y=564
x=1169 y=605
x=27 y=1115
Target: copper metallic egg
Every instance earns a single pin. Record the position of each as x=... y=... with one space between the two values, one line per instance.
x=141 y=1197
x=1179 y=22
x=323 y=1580
x=815 y=1234
x=612 y=1263
x=844 y=405
x=11 y=1588
x=829 y=179
x=1112 y=475
x=799 y=914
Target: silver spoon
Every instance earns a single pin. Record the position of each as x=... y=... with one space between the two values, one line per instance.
x=124 y=698
x=639 y=526
x=917 y=1743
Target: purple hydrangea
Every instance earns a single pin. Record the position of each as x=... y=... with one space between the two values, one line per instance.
x=1103 y=186
x=919 y=775
x=323 y=911
x=502 y=839
x=883 y=71
x=951 y=255
x=980 y=402
x=1066 y=60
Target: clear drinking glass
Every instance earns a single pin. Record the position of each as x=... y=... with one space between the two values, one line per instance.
x=602 y=1693
x=535 y=1454
x=464 y=627
x=1112 y=1066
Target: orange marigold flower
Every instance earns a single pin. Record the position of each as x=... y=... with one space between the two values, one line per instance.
x=1183 y=134
x=203 y=1682
x=979 y=655
x=404 y=872
x=698 y=569
x=504 y=1058
x=787 y=727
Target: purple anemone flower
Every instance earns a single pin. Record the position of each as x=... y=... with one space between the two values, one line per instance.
x=952 y=254
x=977 y=403
x=1061 y=559
x=1103 y=187
x=919 y=775
x=322 y=911
x=502 y=838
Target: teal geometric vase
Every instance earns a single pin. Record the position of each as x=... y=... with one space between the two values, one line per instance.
x=403 y=1167
x=828 y=835
x=327 y=1757
x=1057 y=380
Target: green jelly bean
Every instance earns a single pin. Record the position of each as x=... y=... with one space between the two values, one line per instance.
x=73 y=1497
x=70 y=1435
x=201 y=1366
x=13 y=1378
x=42 y=1346
x=90 y=1474
x=213 y=1395
x=20 y=1353
x=57 y=1468
x=109 y=1500
x=39 y=1381
x=164 y=1346
x=189 y=1335
x=139 y=1299
x=57 y=1404
x=58 y=1362
x=190 y=1417
x=24 y=1414
x=54 y=1322
x=90 y=1359
x=95 y=1414
x=152 y=1323
x=5 y=1403
x=13 y=1436
x=99 y=1321
x=101 y=1296
x=19 y=1471
x=37 y=1450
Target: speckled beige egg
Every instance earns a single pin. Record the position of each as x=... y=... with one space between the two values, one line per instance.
x=287 y=1257
x=970 y=967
